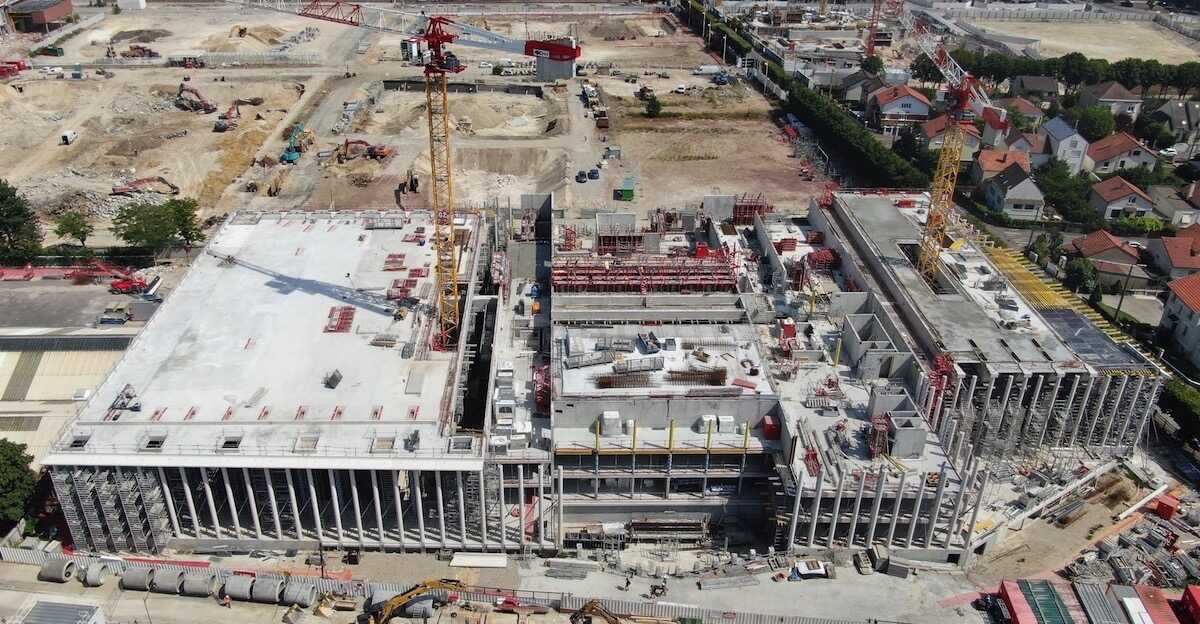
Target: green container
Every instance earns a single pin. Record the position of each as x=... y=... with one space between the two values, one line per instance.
x=625 y=193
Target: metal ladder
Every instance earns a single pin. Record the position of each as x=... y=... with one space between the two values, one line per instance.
x=85 y=489
x=61 y=480
x=155 y=506
x=127 y=492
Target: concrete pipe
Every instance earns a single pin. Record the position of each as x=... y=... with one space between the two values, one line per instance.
x=95 y=575
x=137 y=579
x=200 y=586
x=57 y=571
x=238 y=587
x=267 y=590
x=303 y=595
x=167 y=582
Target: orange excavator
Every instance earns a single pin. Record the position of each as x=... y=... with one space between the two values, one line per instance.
x=349 y=150
x=228 y=119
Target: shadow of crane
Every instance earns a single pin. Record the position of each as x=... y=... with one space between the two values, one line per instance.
x=286 y=284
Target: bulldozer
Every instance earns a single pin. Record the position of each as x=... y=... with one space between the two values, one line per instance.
x=346 y=151
x=416 y=602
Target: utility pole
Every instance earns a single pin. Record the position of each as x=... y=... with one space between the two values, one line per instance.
x=1121 y=300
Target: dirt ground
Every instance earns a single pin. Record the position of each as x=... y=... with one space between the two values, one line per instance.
x=1042 y=548
x=719 y=140
x=180 y=30
x=1107 y=40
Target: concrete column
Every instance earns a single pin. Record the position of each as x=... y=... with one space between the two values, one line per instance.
x=595 y=479
x=1101 y=399
x=837 y=510
x=295 y=507
x=462 y=508
x=1112 y=412
x=559 y=529
x=981 y=416
x=337 y=504
x=1146 y=414
x=916 y=513
x=1087 y=393
x=1058 y=378
x=1004 y=401
x=948 y=440
x=273 y=502
x=233 y=510
x=358 y=522
x=253 y=503
x=862 y=485
x=896 y=510
x=415 y=480
x=937 y=507
x=1031 y=411
x=958 y=499
x=1137 y=392
x=816 y=508
x=441 y=507
x=521 y=502
x=316 y=504
x=170 y=500
x=377 y=506
x=212 y=504
x=1062 y=435
x=541 y=510
x=791 y=541
x=964 y=560
x=399 y=506
x=504 y=511
x=880 y=482
x=483 y=528
x=191 y=503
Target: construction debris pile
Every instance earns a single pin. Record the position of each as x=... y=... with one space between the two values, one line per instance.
x=1162 y=550
x=90 y=192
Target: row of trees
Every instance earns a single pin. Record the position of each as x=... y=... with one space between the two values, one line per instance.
x=148 y=226
x=1072 y=69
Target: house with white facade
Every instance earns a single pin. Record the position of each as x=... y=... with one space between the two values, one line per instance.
x=1014 y=193
x=1113 y=96
x=892 y=109
x=1065 y=143
x=1115 y=198
x=1118 y=151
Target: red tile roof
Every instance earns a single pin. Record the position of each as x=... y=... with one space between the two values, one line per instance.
x=1021 y=105
x=1187 y=289
x=1183 y=250
x=1099 y=242
x=1115 y=188
x=936 y=126
x=1111 y=90
x=889 y=94
x=999 y=160
x=1113 y=145
x=992 y=118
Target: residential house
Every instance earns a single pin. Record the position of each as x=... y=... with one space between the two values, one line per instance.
x=1032 y=143
x=1014 y=193
x=1065 y=143
x=1181 y=118
x=1181 y=316
x=1027 y=109
x=1115 y=198
x=1112 y=95
x=995 y=126
x=1040 y=87
x=1115 y=261
x=855 y=88
x=891 y=109
x=1179 y=206
x=990 y=163
x=1118 y=151
x=934 y=132
x=1176 y=256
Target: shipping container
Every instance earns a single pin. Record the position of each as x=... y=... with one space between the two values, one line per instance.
x=1156 y=604
x=1018 y=607
x=1191 y=602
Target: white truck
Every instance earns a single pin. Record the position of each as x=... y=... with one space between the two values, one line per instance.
x=706 y=70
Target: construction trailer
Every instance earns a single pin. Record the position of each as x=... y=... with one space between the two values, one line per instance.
x=841 y=402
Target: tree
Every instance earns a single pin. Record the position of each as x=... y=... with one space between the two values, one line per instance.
x=1073 y=68
x=1097 y=295
x=1186 y=77
x=653 y=107
x=1094 y=122
x=74 y=225
x=1127 y=72
x=1080 y=274
x=924 y=70
x=908 y=147
x=17 y=481
x=1019 y=120
x=20 y=232
x=158 y=227
x=872 y=65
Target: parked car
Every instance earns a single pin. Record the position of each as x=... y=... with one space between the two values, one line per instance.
x=594 y=174
x=485 y=65
x=680 y=88
x=581 y=177
x=1168 y=152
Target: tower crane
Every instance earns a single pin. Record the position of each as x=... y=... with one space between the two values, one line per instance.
x=966 y=101
x=437 y=32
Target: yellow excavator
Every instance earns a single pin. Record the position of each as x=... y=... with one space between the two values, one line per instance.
x=380 y=613
x=592 y=609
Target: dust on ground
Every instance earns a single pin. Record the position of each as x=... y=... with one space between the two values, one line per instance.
x=1042 y=548
x=1107 y=40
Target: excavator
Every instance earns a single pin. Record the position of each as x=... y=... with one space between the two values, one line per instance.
x=592 y=609
x=374 y=152
x=228 y=119
x=195 y=103
x=142 y=185
x=433 y=589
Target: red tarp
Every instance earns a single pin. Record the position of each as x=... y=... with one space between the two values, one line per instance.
x=1018 y=607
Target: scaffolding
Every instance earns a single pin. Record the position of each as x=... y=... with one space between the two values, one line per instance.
x=747 y=206
x=643 y=275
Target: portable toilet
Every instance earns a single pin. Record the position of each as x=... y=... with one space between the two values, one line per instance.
x=625 y=192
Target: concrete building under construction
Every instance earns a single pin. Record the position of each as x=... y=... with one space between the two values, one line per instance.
x=723 y=372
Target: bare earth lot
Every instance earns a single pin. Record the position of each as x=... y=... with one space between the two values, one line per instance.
x=1107 y=40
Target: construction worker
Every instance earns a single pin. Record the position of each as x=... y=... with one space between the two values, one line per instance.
x=628 y=582
x=227 y=602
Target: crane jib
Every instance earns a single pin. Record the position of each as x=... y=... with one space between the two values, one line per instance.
x=551 y=50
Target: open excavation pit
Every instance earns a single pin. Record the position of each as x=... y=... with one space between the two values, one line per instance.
x=481 y=114
x=484 y=174
x=1112 y=41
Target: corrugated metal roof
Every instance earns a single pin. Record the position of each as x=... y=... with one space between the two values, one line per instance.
x=1097 y=605
x=64 y=343
x=29 y=6
x=1047 y=606
x=60 y=613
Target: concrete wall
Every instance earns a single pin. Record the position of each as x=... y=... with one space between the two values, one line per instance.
x=584 y=412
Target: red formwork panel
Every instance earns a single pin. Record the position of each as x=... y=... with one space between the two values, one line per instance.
x=1156 y=604
x=1018 y=606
